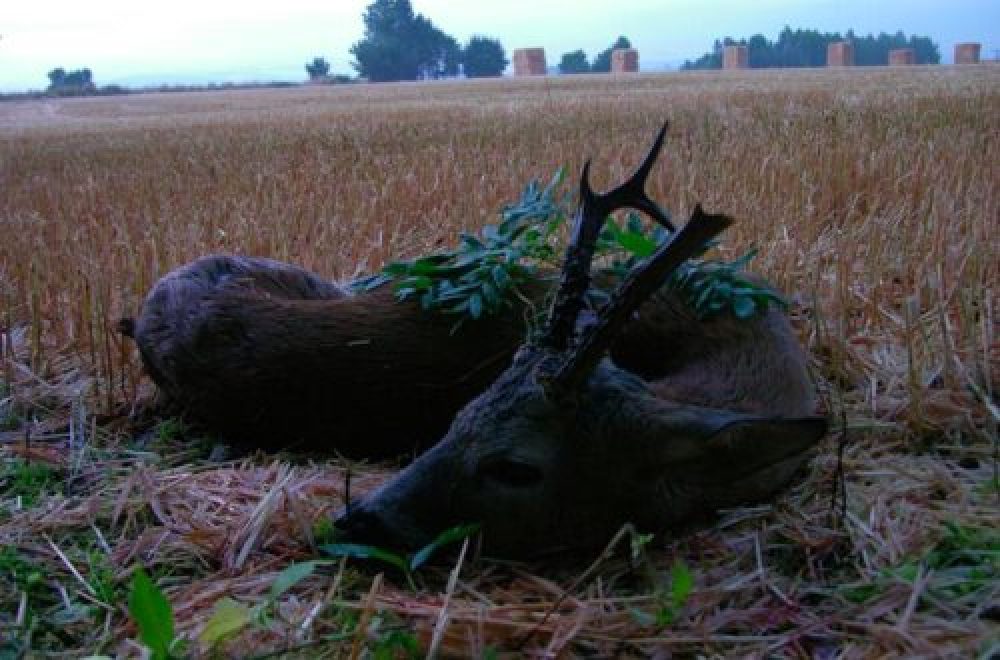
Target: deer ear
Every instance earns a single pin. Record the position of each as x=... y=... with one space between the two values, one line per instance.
x=729 y=442
x=751 y=443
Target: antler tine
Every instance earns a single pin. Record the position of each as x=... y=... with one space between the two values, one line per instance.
x=590 y=216
x=633 y=291
x=632 y=193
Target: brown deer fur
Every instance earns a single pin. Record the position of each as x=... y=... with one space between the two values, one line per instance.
x=265 y=354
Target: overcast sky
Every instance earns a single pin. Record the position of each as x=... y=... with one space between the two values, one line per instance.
x=140 y=43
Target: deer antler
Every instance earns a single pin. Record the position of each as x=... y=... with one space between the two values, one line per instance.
x=633 y=291
x=638 y=286
x=590 y=216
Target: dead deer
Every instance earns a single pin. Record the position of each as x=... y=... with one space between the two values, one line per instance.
x=565 y=446
x=266 y=354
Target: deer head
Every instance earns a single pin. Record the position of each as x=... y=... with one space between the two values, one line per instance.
x=564 y=447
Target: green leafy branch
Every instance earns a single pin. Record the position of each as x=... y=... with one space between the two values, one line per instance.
x=481 y=276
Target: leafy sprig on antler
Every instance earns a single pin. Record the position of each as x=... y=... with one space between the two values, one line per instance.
x=482 y=274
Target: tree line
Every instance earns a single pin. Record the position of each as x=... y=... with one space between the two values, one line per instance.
x=576 y=61
x=400 y=44
x=805 y=48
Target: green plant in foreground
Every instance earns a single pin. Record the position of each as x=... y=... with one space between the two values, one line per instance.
x=18 y=571
x=170 y=430
x=482 y=274
x=669 y=602
x=229 y=617
x=27 y=480
x=101 y=577
x=10 y=420
x=964 y=561
x=153 y=615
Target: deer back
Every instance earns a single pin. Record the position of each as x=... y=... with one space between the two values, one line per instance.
x=266 y=354
x=750 y=365
x=269 y=355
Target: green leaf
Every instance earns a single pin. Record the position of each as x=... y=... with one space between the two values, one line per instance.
x=396 y=268
x=706 y=289
x=291 y=576
x=357 y=551
x=860 y=594
x=643 y=618
x=418 y=282
x=471 y=242
x=152 y=613
x=741 y=262
x=446 y=537
x=490 y=232
x=500 y=277
x=637 y=244
x=475 y=305
x=681 y=584
x=744 y=307
x=665 y=616
x=633 y=223
x=491 y=296
x=369 y=282
x=395 y=642
x=228 y=618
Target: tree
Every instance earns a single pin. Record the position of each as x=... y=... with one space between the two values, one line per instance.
x=574 y=62
x=57 y=78
x=401 y=45
x=71 y=83
x=797 y=48
x=602 y=63
x=484 y=57
x=437 y=54
x=318 y=69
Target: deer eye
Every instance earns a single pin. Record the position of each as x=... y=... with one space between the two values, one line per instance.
x=517 y=474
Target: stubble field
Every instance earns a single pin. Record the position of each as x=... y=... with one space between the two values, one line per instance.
x=873 y=196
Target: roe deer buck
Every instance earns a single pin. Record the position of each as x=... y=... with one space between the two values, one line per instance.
x=565 y=447
x=266 y=354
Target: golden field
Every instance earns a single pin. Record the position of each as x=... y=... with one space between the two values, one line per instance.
x=873 y=195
